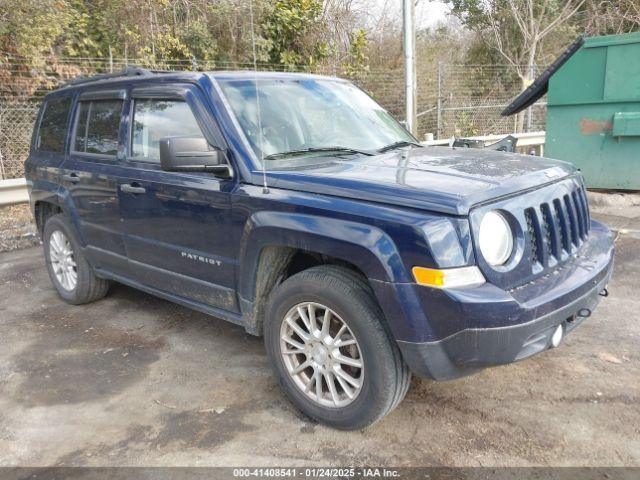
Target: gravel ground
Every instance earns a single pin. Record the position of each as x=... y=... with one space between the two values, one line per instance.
x=17 y=229
x=134 y=380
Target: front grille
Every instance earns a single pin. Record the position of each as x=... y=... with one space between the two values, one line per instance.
x=548 y=232
x=557 y=228
x=534 y=254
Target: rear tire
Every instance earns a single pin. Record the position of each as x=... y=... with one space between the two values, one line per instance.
x=300 y=354
x=70 y=273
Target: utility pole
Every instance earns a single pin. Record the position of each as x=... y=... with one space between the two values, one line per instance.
x=439 y=105
x=409 y=36
x=532 y=76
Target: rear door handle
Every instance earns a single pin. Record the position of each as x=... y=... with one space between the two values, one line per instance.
x=132 y=188
x=71 y=177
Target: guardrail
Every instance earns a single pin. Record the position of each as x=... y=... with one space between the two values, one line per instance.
x=529 y=139
x=13 y=191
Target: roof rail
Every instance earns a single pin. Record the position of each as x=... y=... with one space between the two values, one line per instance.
x=125 y=72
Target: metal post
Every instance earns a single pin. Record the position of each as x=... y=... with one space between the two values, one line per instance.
x=439 y=112
x=409 y=33
x=110 y=60
x=2 y=174
x=532 y=74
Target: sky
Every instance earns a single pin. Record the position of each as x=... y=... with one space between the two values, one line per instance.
x=428 y=13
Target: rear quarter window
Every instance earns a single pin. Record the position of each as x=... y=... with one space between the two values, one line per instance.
x=53 y=126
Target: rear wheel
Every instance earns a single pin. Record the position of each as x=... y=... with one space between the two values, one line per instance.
x=68 y=268
x=328 y=345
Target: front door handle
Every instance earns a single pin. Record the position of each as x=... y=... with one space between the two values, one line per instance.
x=132 y=188
x=71 y=177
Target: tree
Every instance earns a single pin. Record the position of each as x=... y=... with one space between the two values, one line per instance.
x=357 y=61
x=604 y=17
x=516 y=29
x=292 y=27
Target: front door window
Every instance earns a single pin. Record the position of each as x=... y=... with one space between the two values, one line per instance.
x=156 y=119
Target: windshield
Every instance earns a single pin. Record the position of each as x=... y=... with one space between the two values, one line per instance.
x=309 y=114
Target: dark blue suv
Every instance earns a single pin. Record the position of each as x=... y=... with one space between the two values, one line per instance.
x=298 y=208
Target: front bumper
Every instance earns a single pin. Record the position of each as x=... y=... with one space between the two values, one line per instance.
x=519 y=323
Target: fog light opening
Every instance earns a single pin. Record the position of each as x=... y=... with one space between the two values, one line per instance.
x=556 y=338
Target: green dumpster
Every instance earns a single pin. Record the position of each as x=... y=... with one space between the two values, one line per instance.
x=593 y=113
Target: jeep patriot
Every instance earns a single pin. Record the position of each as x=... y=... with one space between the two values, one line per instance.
x=295 y=206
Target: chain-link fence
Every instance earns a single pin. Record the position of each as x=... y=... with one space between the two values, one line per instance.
x=466 y=100
x=453 y=100
x=23 y=83
x=16 y=125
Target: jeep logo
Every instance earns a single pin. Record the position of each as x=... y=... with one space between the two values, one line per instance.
x=200 y=258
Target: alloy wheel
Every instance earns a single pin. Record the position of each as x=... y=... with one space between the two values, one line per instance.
x=62 y=260
x=321 y=355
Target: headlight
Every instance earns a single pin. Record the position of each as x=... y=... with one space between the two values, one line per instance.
x=495 y=238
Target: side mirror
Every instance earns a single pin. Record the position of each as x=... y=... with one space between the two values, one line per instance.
x=191 y=154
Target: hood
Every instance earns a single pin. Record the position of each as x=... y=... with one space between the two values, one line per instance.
x=439 y=179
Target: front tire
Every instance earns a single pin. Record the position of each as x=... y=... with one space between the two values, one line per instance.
x=330 y=350
x=70 y=273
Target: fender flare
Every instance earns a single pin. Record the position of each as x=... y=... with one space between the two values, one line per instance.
x=367 y=247
x=46 y=192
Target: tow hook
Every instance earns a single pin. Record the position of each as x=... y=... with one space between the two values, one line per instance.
x=604 y=292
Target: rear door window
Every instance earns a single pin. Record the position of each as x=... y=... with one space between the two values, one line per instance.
x=53 y=126
x=154 y=119
x=97 y=127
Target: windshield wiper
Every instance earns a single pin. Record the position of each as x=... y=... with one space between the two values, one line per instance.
x=401 y=143
x=300 y=151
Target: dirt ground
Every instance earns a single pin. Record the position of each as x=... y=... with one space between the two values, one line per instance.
x=134 y=380
x=17 y=229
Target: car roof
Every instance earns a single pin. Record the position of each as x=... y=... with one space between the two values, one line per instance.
x=135 y=75
x=250 y=74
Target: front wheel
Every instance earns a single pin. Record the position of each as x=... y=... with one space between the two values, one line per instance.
x=329 y=347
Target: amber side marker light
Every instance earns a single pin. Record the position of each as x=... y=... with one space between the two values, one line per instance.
x=448 y=277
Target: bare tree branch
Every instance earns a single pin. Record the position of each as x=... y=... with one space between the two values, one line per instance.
x=564 y=15
x=515 y=10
